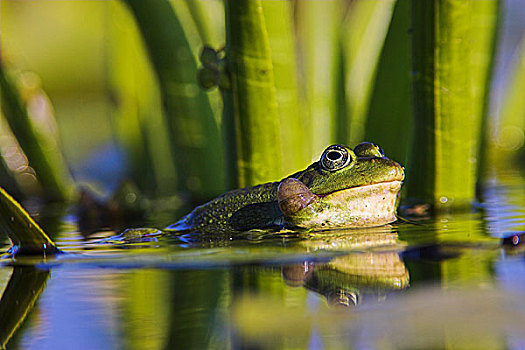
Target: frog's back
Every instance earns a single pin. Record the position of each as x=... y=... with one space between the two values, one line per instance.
x=237 y=210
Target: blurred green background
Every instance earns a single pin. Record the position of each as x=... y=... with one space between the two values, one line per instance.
x=122 y=84
x=69 y=52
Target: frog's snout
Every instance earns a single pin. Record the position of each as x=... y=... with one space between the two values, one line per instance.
x=398 y=172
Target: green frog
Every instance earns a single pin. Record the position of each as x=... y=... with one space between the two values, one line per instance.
x=345 y=188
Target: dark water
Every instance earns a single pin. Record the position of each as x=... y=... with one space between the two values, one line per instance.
x=452 y=281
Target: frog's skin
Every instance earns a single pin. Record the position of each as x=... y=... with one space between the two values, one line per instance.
x=345 y=188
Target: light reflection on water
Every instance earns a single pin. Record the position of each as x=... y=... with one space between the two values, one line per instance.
x=504 y=204
x=445 y=282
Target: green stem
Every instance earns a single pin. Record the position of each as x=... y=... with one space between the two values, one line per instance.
x=448 y=92
x=253 y=93
x=295 y=147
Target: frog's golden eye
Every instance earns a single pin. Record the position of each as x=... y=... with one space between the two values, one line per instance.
x=336 y=157
x=368 y=149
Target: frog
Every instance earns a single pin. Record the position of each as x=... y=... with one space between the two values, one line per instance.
x=345 y=188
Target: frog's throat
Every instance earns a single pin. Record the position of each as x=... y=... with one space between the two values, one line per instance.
x=363 y=206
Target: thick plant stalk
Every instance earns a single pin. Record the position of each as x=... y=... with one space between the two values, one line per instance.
x=447 y=96
x=318 y=23
x=40 y=147
x=253 y=93
x=194 y=127
x=365 y=28
x=295 y=147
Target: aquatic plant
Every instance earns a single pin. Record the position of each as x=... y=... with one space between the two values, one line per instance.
x=452 y=47
x=25 y=234
x=253 y=93
x=172 y=42
x=292 y=77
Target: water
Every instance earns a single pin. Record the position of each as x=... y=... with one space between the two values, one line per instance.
x=440 y=282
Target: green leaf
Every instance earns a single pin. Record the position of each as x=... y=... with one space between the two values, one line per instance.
x=208 y=16
x=138 y=119
x=318 y=23
x=173 y=41
x=364 y=31
x=389 y=121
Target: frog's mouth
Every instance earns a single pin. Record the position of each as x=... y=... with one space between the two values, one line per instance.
x=372 y=188
x=363 y=206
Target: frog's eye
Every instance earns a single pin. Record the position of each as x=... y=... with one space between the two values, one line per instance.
x=368 y=149
x=336 y=157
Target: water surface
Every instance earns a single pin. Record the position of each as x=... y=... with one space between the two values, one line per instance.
x=451 y=281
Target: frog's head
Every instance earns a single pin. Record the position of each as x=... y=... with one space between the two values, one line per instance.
x=345 y=188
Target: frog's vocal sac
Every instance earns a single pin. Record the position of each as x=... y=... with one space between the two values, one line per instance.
x=345 y=188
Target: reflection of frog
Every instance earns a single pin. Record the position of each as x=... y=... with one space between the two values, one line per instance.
x=345 y=188
x=347 y=277
x=370 y=267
